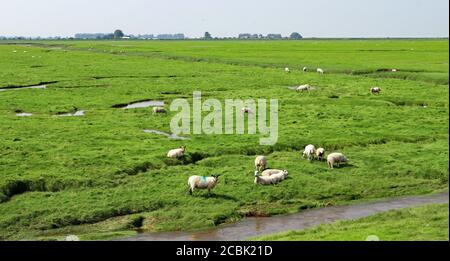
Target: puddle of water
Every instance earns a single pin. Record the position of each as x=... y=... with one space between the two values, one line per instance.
x=144 y=104
x=28 y=87
x=24 y=114
x=258 y=226
x=170 y=136
x=76 y=114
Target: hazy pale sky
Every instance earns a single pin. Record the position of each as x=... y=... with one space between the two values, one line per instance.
x=311 y=18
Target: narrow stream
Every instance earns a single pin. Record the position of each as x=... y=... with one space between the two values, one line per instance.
x=257 y=226
x=26 y=87
x=144 y=104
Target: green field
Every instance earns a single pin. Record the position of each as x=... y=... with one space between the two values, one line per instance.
x=425 y=223
x=101 y=176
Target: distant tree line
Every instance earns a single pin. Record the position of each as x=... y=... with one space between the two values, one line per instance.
x=119 y=34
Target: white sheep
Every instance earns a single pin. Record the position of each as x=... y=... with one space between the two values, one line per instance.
x=287 y=70
x=159 y=110
x=272 y=179
x=246 y=110
x=309 y=152
x=320 y=70
x=375 y=90
x=176 y=153
x=394 y=70
x=320 y=152
x=260 y=163
x=202 y=182
x=335 y=158
x=305 y=69
x=303 y=88
x=270 y=172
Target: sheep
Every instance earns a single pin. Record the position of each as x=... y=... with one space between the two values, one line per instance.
x=287 y=70
x=272 y=179
x=394 y=70
x=275 y=172
x=305 y=69
x=246 y=110
x=302 y=88
x=375 y=90
x=309 y=152
x=270 y=172
x=202 y=182
x=159 y=110
x=320 y=70
x=320 y=152
x=260 y=163
x=336 y=158
x=176 y=153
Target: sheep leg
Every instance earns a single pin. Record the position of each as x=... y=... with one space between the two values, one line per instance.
x=190 y=191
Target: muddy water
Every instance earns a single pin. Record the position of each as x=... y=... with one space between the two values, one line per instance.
x=21 y=88
x=258 y=226
x=170 y=136
x=144 y=104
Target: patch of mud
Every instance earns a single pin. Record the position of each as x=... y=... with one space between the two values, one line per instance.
x=170 y=136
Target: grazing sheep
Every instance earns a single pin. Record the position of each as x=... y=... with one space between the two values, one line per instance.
x=335 y=158
x=320 y=70
x=176 y=153
x=309 y=152
x=394 y=70
x=246 y=110
x=303 y=88
x=320 y=152
x=260 y=163
x=305 y=69
x=159 y=110
x=375 y=90
x=287 y=70
x=202 y=182
x=272 y=179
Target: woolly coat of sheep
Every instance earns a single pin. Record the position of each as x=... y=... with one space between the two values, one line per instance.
x=260 y=163
x=335 y=158
x=176 y=153
x=201 y=182
x=302 y=88
x=309 y=152
x=269 y=180
x=159 y=110
x=270 y=172
x=376 y=90
x=320 y=152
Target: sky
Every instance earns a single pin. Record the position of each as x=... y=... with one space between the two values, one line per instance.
x=224 y=18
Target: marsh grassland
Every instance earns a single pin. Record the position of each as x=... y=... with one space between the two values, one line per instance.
x=100 y=176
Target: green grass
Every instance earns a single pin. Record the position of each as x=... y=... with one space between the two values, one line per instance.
x=424 y=223
x=94 y=175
